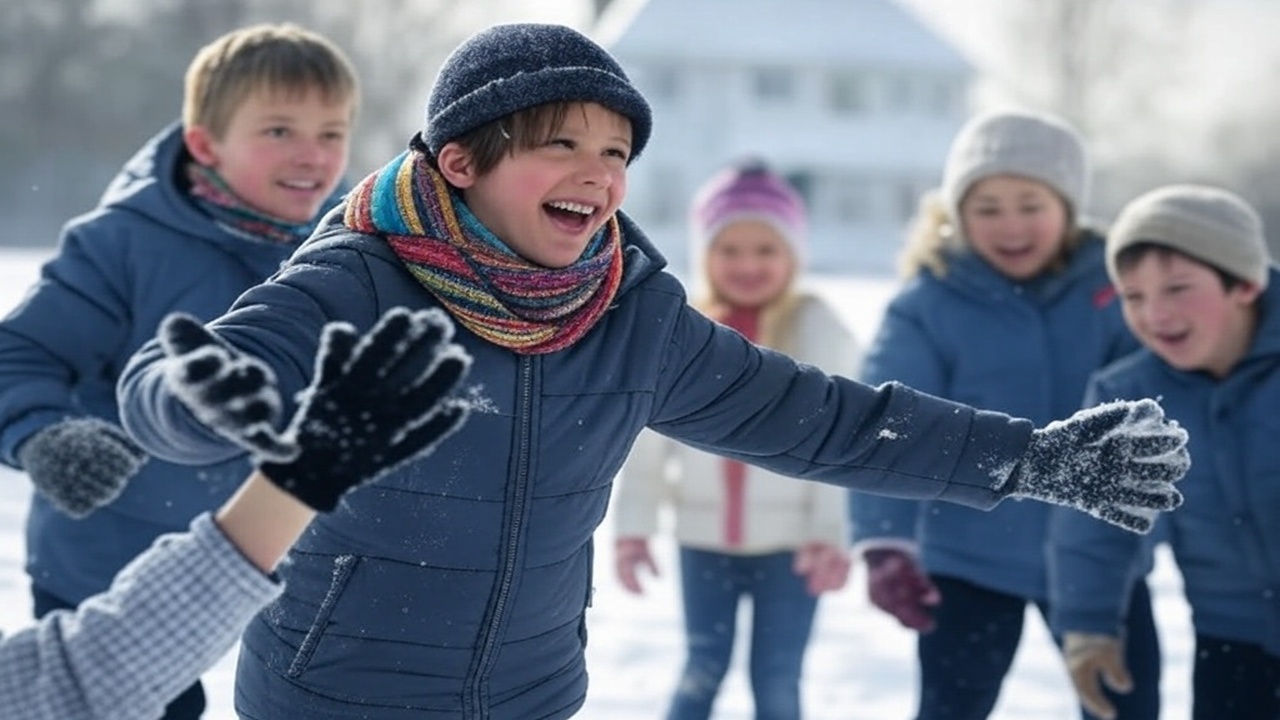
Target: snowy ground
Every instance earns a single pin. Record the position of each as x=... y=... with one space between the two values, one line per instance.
x=860 y=666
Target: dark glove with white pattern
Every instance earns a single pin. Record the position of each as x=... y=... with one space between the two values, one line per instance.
x=1116 y=461
x=375 y=402
x=233 y=393
x=80 y=464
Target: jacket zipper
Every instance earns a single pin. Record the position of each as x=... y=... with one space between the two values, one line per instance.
x=489 y=640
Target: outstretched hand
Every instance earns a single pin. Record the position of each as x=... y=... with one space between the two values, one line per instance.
x=1116 y=461
x=233 y=393
x=376 y=401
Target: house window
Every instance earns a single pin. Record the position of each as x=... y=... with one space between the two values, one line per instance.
x=849 y=200
x=772 y=84
x=848 y=93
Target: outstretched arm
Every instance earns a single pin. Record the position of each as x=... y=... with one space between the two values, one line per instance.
x=377 y=400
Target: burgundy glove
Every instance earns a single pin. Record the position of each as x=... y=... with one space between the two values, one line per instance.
x=897 y=585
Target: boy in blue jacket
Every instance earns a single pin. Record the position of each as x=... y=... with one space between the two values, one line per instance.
x=457 y=586
x=1199 y=291
x=207 y=208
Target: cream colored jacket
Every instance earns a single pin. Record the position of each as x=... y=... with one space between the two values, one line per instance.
x=778 y=512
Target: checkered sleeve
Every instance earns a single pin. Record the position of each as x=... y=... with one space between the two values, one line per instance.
x=124 y=654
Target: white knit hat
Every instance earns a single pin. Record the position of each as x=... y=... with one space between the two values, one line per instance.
x=1206 y=223
x=1027 y=144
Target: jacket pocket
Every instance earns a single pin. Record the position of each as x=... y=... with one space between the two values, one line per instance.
x=343 y=567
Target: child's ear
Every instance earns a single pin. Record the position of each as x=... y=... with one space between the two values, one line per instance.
x=200 y=143
x=455 y=163
x=1247 y=292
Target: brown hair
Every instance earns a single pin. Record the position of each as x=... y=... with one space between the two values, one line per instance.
x=279 y=58
x=521 y=130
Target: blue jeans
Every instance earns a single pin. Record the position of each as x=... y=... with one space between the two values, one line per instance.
x=1234 y=680
x=781 y=617
x=189 y=705
x=963 y=662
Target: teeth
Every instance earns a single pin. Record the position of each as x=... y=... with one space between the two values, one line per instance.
x=572 y=207
x=301 y=184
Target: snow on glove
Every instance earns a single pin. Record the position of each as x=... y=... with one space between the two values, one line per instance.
x=376 y=402
x=1090 y=656
x=80 y=464
x=1116 y=461
x=897 y=585
x=233 y=393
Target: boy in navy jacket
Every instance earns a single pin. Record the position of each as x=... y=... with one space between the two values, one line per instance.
x=1199 y=291
x=457 y=586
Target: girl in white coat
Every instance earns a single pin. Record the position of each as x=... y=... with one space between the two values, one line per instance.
x=742 y=531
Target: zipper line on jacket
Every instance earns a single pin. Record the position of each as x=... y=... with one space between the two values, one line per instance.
x=488 y=655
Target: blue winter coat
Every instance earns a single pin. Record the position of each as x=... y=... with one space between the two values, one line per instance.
x=145 y=251
x=979 y=338
x=457 y=585
x=1225 y=537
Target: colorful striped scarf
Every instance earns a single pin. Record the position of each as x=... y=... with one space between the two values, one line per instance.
x=487 y=287
x=212 y=193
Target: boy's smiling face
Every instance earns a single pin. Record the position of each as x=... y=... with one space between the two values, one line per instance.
x=547 y=202
x=1179 y=308
x=282 y=153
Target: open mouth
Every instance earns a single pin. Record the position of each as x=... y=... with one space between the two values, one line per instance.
x=303 y=185
x=571 y=215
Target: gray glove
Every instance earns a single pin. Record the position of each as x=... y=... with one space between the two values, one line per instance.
x=80 y=464
x=1116 y=462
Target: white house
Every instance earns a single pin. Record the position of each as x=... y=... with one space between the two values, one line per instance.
x=855 y=100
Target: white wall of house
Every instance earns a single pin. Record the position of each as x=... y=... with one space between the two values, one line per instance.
x=856 y=100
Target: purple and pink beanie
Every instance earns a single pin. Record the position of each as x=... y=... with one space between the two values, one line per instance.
x=748 y=190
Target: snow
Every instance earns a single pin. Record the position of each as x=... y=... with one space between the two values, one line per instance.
x=860 y=664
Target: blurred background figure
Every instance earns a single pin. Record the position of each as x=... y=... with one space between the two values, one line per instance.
x=743 y=532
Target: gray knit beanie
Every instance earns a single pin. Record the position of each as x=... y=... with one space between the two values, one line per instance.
x=1032 y=145
x=512 y=67
x=1206 y=223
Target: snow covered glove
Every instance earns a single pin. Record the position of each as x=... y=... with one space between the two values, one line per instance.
x=897 y=585
x=80 y=464
x=376 y=401
x=1088 y=656
x=1116 y=461
x=233 y=393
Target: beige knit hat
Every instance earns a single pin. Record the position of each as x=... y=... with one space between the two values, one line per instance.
x=1206 y=223
x=1032 y=145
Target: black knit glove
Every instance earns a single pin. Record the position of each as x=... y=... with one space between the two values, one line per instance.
x=233 y=393
x=80 y=464
x=376 y=402
x=1116 y=461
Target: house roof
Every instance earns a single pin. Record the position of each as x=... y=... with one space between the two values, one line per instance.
x=786 y=31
